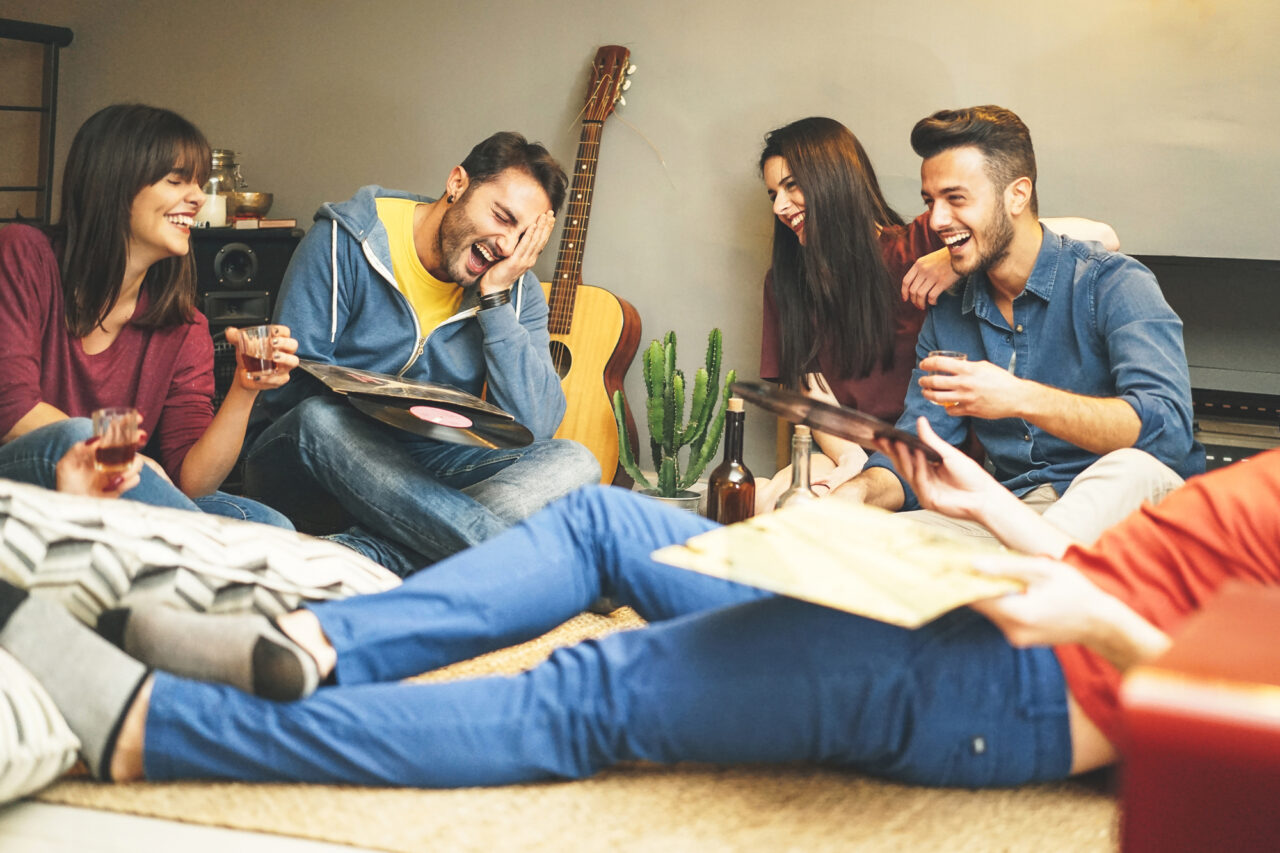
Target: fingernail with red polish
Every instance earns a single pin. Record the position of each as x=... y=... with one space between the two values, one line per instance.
x=116 y=481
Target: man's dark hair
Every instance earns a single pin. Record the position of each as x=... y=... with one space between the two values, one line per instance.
x=1000 y=135
x=509 y=150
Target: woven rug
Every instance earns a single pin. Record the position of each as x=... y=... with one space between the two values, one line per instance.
x=641 y=807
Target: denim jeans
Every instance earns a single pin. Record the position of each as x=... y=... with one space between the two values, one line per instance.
x=724 y=673
x=33 y=458
x=415 y=500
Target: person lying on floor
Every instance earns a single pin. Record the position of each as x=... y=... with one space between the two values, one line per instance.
x=1012 y=690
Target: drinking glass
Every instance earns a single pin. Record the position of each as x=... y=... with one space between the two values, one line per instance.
x=256 y=351
x=116 y=429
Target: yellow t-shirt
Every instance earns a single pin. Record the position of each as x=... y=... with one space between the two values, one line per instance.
x=433 y=300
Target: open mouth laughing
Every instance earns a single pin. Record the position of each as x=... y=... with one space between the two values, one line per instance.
x=481 y=259
x=182 y=220
x=956 y=239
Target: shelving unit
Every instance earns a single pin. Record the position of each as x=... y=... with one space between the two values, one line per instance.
x=28 y=117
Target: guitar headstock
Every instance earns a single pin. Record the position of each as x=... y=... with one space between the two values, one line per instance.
x=609 y=73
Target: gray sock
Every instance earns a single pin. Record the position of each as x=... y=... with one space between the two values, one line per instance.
x=243 y=650
x=91 y=682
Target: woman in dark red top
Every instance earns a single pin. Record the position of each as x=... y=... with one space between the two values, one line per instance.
x=837 y=320
x=99 y=311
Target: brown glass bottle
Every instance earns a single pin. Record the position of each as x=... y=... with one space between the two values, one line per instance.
x=731 y=490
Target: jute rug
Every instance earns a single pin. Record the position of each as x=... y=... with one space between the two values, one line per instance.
x=642 y=807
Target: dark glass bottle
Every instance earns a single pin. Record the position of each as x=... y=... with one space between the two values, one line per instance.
x=731 y=490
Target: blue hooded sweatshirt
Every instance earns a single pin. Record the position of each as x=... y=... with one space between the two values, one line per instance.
x=340 y=301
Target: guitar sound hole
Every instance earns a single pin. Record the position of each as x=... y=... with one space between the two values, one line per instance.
x=561 y=358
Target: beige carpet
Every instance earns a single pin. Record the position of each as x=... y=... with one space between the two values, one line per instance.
x=692 y=807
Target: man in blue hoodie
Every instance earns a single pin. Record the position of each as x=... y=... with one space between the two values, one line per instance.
x=439 y=290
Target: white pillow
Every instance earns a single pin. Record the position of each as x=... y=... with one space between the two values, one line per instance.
x=92 y=554
x=36 y=746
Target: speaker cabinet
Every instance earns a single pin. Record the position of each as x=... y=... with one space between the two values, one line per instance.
x=238 y=273
x=238 y=276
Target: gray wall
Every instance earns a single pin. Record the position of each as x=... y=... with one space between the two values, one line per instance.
x=1155 y=115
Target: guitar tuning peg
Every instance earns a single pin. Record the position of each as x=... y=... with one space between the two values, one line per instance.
x=631 y=69
x=626 y=84
x=622 y=102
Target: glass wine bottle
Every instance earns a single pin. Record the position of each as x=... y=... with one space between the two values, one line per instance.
x=799 y=491
x=731 y=490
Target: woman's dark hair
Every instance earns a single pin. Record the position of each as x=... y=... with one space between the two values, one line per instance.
x=117 y=152
x=834 y=292
x=510 y=150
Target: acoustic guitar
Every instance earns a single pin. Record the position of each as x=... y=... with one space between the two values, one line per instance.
x=594 y=334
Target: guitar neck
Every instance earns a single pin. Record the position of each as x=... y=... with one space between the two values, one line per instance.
x=573 y=238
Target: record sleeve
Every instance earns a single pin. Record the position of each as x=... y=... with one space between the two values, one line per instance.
x=428 y=409
x=349 y=380
x=858 y=427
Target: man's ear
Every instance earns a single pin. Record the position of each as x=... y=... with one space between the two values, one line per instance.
x=457 y=183
x=1017 y=196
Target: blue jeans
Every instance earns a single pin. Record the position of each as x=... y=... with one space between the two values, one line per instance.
x=415 y=501
x=33 y=458
x=723 y=674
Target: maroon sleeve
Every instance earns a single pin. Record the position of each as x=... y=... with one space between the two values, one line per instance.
x=28 y=284
x=901 y=246
x=183 y=396
x=769 y=334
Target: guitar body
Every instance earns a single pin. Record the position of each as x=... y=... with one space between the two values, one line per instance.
x=592 y=359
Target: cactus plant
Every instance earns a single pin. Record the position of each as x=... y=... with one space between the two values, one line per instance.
x=669 y=432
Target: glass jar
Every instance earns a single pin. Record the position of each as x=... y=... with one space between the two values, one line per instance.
x=224 y=176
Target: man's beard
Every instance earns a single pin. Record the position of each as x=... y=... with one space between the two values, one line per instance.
x=997 y=236
x=455 y=243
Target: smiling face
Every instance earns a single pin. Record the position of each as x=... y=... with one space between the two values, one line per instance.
x=968 y=212
x=160 y=219
x=786 y=195
x=486 y=221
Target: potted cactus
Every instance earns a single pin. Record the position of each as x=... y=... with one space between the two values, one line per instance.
x=669 y=432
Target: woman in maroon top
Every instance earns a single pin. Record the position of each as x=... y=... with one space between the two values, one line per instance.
x=99 y=311
x=838 y=321
x=850 y=282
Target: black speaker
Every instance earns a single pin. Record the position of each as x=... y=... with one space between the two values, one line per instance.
x=238 y=276
x=238 y=272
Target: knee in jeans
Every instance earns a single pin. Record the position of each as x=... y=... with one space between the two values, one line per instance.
x=577 y=465
x=71 y=431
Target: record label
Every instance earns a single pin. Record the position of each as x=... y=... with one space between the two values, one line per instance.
x=441 y=417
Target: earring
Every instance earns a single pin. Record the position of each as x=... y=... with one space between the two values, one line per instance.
x=449 y=200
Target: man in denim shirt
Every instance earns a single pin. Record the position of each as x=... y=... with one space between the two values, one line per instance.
x=1073 y=361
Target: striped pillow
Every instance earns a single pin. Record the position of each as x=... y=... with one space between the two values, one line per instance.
x=93 y=554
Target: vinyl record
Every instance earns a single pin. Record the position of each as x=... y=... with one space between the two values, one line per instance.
x=444 y=423
x=856 y=426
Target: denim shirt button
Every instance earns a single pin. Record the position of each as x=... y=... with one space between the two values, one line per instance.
x=1018 y=329
x=1026 y=437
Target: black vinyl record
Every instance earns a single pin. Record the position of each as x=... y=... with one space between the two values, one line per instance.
x=858 y=427
x=444 y=423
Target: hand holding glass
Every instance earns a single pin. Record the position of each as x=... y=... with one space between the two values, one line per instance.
x=117 y=432
x=257 y=351
x=947 y=353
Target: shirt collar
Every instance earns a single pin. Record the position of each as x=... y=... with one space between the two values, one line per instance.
x=1039 y=284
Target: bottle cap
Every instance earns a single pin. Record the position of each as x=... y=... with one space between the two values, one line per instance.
x=735 y=404
x=802 y=430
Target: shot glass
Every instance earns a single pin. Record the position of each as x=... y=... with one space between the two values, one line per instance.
x=256 y=351
x=117 y=432
x=947 y=353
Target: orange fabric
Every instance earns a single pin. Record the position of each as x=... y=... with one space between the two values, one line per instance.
x=1166 y=561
